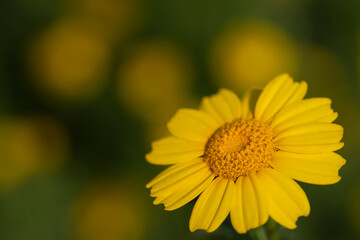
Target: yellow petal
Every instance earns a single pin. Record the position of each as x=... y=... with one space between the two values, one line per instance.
x=188 y=184
x=311 y=133
x=310 y=168
x=287 y=201
x=248 y=102
x=192 y=125
x=176 y=180
x=250 y=209
x=224 y=106
x=268 y=93
x=175 y=170
x=275 y=96
x=187 y=192
x=173 y=150
x=279 y=100
x=305 y=111
x=312 y=148
x=213 y=205
x=299 y=93
x=330 y=118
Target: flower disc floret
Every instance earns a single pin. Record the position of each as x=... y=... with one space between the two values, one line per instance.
x=240 y=148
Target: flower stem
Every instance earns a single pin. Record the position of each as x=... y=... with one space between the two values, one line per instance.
x=259 y=234
x=267 y=232
x=272 y=230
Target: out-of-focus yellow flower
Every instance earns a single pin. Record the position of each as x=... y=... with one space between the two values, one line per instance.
x=155 y=80
x=249 y=54
x=19 y=150
x=109 y=211
x=69 y=62
x=325 y=72
x=110 y=19
x=154 y=72
x=29 y=146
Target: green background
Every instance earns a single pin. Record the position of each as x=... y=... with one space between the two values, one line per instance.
x=104 y=135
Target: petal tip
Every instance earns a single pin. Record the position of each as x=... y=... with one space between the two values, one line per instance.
x=343 y=162
x=169 y=209
x=284 y=75
x=305 y=84
x=341 y=145
x=336 y=180
x=148 y=157
x=192 y=228
x=292 y=227
x=210 y=230
x=156 y=201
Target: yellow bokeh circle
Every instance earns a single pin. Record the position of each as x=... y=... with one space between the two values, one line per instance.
x=30 y=146
x=249 y=54
x=154 y=80
x=108 y=211
x=68 y=62
x=109 y=19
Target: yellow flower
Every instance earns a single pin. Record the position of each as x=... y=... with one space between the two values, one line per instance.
x=161 y=73
x=241 y=156
x=112 y=20
x=243 y=49
x=69 y=62
x=109 y=210
x=30 y=146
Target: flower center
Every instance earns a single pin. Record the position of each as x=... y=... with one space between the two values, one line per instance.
x=240 y=148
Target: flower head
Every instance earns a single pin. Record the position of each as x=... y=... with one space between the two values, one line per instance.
x=241 y=156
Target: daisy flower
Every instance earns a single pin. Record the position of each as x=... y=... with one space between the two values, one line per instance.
x=241 y=157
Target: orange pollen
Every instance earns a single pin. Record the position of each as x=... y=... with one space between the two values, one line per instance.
x=240 y=148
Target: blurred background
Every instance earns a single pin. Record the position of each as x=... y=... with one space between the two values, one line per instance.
x=86 y=85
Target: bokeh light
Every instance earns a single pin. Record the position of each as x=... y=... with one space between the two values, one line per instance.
x=320 y=67
x=110 y=19
x=154 y=80
x=248 y=54
x=31 y=145
x=68 y=62
x=109 y=210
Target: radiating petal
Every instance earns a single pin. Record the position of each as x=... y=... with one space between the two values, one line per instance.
x=250 y=208
x=299 y=93
x=312 y=148
x=269 y=92
x=173 y=150
x=287 y=201
x=248 y=102
x=179 y=185
x=176 y=172
x=177 y=180
x=189 y=191
x=311 y=133
x=305 y=111
x=192 y=125
x=213 y=205
x=329 y=119
x=189 y=184
x=274 y=97
x=310 y=168
x=224 y=106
